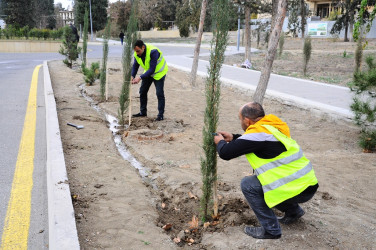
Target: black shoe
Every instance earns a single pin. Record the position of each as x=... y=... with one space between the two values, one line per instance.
x=139 y=115
x=260 y=233
x=288 y=219
x=159 y=118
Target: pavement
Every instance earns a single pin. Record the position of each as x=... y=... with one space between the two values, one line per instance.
x=314 y=96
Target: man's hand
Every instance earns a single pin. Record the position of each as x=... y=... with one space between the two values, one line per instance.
x=226 y=136
x=136 y=80
x=218 y=138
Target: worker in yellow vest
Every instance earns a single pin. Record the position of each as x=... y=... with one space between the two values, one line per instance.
x=155 y=69
x=283 y=176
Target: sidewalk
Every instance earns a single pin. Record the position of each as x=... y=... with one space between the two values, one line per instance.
x=331 y=99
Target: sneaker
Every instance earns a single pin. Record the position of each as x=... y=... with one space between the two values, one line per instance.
x=260 y=233
x=139 y=115
x=288 y=219
x=159 y=118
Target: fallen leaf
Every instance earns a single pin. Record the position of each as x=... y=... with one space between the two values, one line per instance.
x=191 y=240
x=192 y=196
x=206 y=224
x=176 y=240
x=189 y=244
x=163 y=205
x=176 y=209
x=167 y=227
x=193 y=223
x=126 y=133
x=220 y=197
x=215 y=223
x=186 y=230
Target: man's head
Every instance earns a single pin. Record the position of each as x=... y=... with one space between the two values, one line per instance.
x=139 y=47
x=250 y=113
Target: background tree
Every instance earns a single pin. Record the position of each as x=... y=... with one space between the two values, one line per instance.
x=98 y=11
x=272 y=50
x=44 y=14
x=343 y=21
x=307 y=50
x=293 y=25
x=130 y=40
x=198 y=43
x=213 y=88
x=183 y=18
x=119 y=12
x=19 y=12
x=303 y=16
x=364 y=17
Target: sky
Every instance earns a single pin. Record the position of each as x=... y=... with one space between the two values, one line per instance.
x=65 y=3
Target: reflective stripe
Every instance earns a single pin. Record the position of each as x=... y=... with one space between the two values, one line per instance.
x=160 y=60
x=258 y=137
x=160 y=69
x=279 y=162
x=276 y=184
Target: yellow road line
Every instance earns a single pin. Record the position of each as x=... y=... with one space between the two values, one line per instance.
x=17 y=220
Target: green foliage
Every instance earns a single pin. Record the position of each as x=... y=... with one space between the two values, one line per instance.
x=364 y=106
x=69 y=47
x=344 y=54
x=333 y=15
x=294 y=22
x=15 y=32
x=281 y=43
x=98 y=12
x=307 y=50
x=183 y=19
x=213 y=88
x=131 y=37
x=85 y=36
x=19 y=12
x=104 y=59
x=91 y=74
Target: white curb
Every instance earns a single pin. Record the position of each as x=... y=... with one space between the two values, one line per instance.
x=61 y=219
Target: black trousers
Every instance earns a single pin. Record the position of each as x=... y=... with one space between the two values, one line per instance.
x=144 y=89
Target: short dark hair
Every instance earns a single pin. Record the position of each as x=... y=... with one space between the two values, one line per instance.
x=139 y=43
x=253 y=111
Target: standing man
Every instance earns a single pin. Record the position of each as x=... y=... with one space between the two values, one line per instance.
x=121 y=36
x=283 y=178
x=155 y=69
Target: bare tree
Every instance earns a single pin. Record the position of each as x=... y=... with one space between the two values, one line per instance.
x=272 y=50
x=198 y=42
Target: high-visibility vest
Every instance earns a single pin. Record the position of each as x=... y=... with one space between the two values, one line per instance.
x=161 y=68
x=286 y=175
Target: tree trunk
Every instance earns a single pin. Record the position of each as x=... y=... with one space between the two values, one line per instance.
x=269 y=58
x=274 y=12
x=303 y=16
x=247 y=54
x=346 y=29
x=198 y=43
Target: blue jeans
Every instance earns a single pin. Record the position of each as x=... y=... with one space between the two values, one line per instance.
x=144 y=89
x=252 y=190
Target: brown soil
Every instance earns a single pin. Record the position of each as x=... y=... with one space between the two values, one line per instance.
x=117 y=209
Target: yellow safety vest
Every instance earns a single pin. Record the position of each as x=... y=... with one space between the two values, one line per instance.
x=286 y=175
x=161 y=68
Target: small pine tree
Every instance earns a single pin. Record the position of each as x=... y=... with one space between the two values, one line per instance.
x=104 y=59
x=69 y=49
x=281 y=43
x=213 y=87
x=364 y=106
x=91 y=74
x=86 y=27
x=131 y=37
x=307 y=50
x=358 y=54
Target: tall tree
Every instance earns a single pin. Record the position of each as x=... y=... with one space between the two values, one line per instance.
x=213 y=90
x=198 y=42
x=183 y=18
x=98 y=11
x=303 y=20
x=272 y=50
x=294 y=23
x=44 y=14
x=247 y=23
x=19 y=12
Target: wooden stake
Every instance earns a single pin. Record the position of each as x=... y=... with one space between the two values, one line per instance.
x=215 y=197
x=130 y=105
x=106 y=82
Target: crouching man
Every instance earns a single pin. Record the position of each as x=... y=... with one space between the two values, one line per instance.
x=283 y=178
